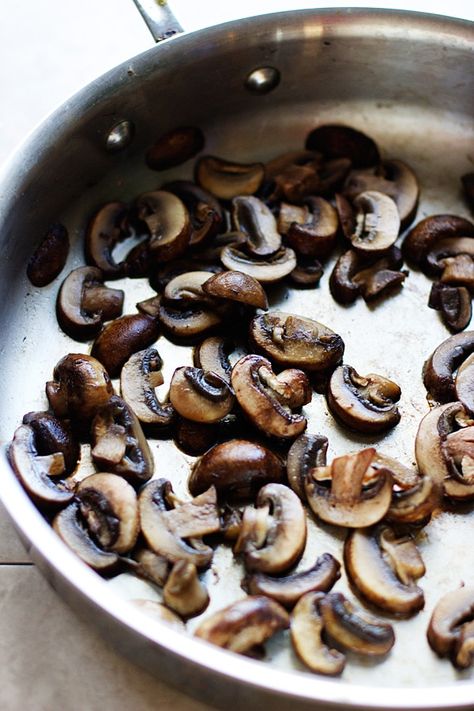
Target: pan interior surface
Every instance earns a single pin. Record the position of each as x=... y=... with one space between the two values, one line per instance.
x=405 y=80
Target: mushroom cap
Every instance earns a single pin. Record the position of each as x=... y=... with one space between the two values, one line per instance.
x=339 y=141
x=120 y=338
x=168 y=222
x=438 y=371
x=226 y=179
x=175 y=147
x=450 y=614
x=236 y=286
x=50 y=256
x=266 y=270
x=199 y=395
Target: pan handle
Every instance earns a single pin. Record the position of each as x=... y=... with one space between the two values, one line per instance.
x=158 y=18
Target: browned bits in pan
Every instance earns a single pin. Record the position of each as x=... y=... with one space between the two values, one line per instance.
x=49 y=258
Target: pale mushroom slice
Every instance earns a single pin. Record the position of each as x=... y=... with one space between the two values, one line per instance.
x=226 y=179
x=174 y=529
x=168 y=222
x=256 y=221
x=287 y=590
x=212 y=354
x=306 y=452
x=464 y=384
x=267 y=399
x=267 y=270
x=383 y=568
x=353 y=629
x=306 y=630
x=341 y=498
x=363 y=403
x=200 y=396
x=139 y=378
x=273 y=535
x=450 y=628
x=183 y=592
x=185 y=290
x=377 y=223
x=205 y=212
x=244 y=624
x=149 y=565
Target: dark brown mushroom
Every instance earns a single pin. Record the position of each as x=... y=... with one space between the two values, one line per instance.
x=339 y=141
x=205 y=212
x=267 y=270
x=107 y=227
x=139 y=377
x=289 y=589
x=245 y=624
x=354 y=275
x=452 y=260
x=80 y=387
x=438 y=370
x=266 y=398
x=377 y=223
x=255 y=220
x=316 y=235
x=464 y=384
x=453 y=303
x=450 y=621
x=226 y=179
x=168 y=223
x=200 y=396
x=174 y=147
x=424 y=236
x=307 y=273
x=295 y=341
x=195 y=438
x=49 y=258
x=118 y=443
x=54 y=435
x=120 y=338
x=84 y=303
x=383 y=568
x=237 y=287
x=183 y=592
x=306 y=452
x=363 y=403
x=277 y=165
x=237 y=468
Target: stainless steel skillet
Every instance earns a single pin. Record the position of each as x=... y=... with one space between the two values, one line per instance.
x=406 y=80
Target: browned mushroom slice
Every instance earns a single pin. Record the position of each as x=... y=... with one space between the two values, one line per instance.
x=49 y=258
x=186 y=291
x=80 y=387
x=308 y=272
x=339 y=141
x=34 y=470
x=265 y=398
x=316 y=236
x=175 y=147
x=264 y=270
x=375 y=281
x=54 y=435
x=451 y=618
x=183 y=592
x=295 y=341
x=277 y=165
x=272 y=536
x=162 y=274
x=306 y=452
x=150 y=307
x=438 y=371
x=454 y=304
x=168 y=222
x=200 y=396
x=415 y=504
x=341 y=282
x=188 y=325
x=106 y=228
x=307 y=627
x=122 y=337
x=354 y=630
x=109 y=506
x=205 y=212
x=344 y=500
x=256 y=221
x=238 y=287
x=295 y=182
x=429 y=452
x=212 y=354
x=291 y=214
x=364 y=403
x=377 y=223
x=383 y=568
x=150 y=566
x=459 y=270
x=156 y=611
x=423 y=237
x=140 y=375
x=237 y=468
x=119 y=445
x=226 y=180
x=84 y=303
x=244 y=624
x=288 y=590
x=464 y=384
x=174 y=529
x=468 y=186
x=453 y=259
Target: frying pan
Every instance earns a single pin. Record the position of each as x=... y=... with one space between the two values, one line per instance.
x=407 y=80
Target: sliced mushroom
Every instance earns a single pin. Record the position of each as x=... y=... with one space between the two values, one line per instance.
x=120 y=338
x=195 y=438
x=364 y=403
x=168 y=222
x=54 y=435
x=452 y=258
x=383 y=568
x=295 y=341
x=306 y=452
x=353 y=630
x=316 y=236
x=84 y=303
x=237 y=468
x=415 y=504
x=184 y=592
x=186 y=290
x=464 y=384
x=423 y=237
x=377 y=223
x=291 y=214
x=269 y=270
x=341 y=282
x=451 y=618
x=354 y=275
x=139 y=377
x=186 y=326
x=454 y=304
x=278 y=164
x=205 y=212
x=37 y=471
x=307 y=273
x=238 y=287
x=288 y=590
x=272 y=536
x=175 y=147
x=266 y=398
x=174 y=529
x=339 y=141
x=150 y=566
x=118 y=443
x=344 y=500
x=156 y=611
x=200 y=396
x=80 y=387
x=254 y=219
x=109 y=506
x=212 y=354
x=438 y=370
x=106 y=228
x=244 y=624
x=307 y=628
x=161 y=274
x=49 y=258
x=226 y=180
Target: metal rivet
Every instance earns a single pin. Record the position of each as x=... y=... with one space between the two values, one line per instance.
x=263 y=80
x=120 y=136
